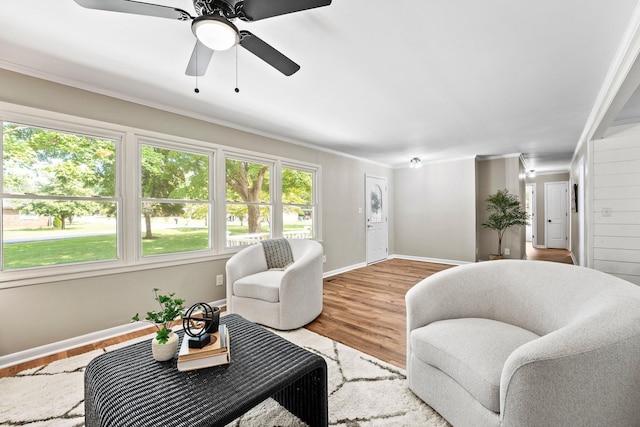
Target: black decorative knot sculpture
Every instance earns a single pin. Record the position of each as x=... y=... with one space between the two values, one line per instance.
x=199 y=321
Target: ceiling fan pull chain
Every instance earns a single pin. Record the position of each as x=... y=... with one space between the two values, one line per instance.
x=236 y=89
x=196 y=90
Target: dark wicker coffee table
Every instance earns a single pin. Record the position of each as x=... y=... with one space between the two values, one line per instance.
x=127 y=387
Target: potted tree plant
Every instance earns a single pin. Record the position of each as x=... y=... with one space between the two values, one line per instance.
x=165 y=343
x=505 y=212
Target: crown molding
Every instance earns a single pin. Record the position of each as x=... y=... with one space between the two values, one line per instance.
x=621 y=81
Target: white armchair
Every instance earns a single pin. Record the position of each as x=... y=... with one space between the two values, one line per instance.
x=525 y=343
x=286 y=299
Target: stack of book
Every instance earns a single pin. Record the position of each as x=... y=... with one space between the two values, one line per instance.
x=213 y=354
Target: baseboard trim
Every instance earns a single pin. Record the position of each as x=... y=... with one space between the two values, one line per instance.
x=75 y=342
x=434 y=260
x=343 y=269
x=68 y=344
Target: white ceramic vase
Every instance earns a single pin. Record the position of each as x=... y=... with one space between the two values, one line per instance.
x=164 y=352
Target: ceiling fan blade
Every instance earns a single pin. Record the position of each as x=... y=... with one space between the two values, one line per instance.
x=267 y=53
x=136 y=7
x=200 y=59
x=260 y=9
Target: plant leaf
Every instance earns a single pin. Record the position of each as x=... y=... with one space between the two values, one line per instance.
x=162 y=336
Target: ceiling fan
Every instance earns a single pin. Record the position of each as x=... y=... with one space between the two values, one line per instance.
x=213 y=27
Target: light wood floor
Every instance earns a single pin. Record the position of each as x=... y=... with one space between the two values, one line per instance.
x=554 y=255
x=363 y=309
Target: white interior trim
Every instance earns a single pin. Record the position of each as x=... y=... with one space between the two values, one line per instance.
x=426 y=259
x=343 y=269
x=619 y=70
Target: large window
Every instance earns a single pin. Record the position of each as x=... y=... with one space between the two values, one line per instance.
x=82 y=198
x=175 y=203
x=59 y=198
x=248 y=200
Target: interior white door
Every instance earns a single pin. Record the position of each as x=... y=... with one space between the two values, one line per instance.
x=376 y=218
x=556 y=198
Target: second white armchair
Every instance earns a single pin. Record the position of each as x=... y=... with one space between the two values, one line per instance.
x=281 y=299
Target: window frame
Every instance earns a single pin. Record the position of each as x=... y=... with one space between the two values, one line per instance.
x=70 y=127
x=232 y=155
x=187 y=148
x=314 y=193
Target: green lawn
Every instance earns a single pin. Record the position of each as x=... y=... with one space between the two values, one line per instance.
x=77 y=227
x=176 y=240
x=100 y=247
x=103 y=247
x=59 y=251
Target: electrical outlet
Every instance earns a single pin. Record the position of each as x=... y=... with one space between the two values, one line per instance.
x=219 y=280
x=507 y=251
x=324 y=258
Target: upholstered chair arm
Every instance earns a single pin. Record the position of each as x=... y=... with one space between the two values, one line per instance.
x=301 y=286
x=449 y=294
x=249 y=260
x=586 y=370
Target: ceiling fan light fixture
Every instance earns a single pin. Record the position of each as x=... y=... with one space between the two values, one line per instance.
x=415 y=163
x=215 y=32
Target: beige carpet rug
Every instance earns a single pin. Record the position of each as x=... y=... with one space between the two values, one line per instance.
x=363 y=391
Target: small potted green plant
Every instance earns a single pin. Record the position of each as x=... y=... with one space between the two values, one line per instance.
x=505 y=212
x=165 y=343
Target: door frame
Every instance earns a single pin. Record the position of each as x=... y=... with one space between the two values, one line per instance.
x=546 y=213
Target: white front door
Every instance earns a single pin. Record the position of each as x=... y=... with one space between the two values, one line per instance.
x=376 y=218
x=556 y=197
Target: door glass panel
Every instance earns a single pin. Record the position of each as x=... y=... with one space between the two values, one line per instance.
x=376 y=204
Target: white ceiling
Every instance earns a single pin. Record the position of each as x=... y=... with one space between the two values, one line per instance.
x=385 y=81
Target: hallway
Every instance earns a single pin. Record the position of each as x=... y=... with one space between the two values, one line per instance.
x=553 y=255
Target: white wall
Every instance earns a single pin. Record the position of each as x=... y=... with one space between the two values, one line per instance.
x=435 y=214
x=616 y=205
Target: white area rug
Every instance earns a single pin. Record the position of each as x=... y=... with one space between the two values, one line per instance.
x=363 y=391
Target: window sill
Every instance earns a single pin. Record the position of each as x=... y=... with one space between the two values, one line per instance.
x=16 y=279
